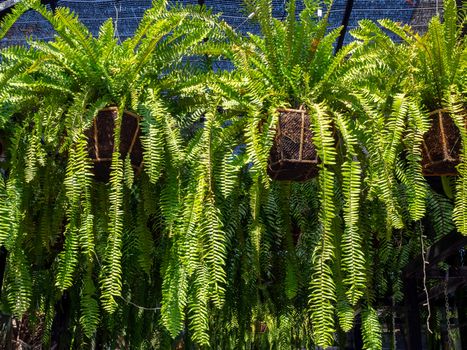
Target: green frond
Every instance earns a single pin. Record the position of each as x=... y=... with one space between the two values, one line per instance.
x=68 y=258
x=174 y=294
x=211 y=228
x=89 y=319
x=153 y=139
x=371 y=329
x=10 y=210
x=440 y=213
x=18 y=282
x=345 y=312
x=198 y=307
x=111 y=273
x=353 y=259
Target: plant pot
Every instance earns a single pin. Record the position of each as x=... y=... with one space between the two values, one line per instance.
x=441 y=146
x=101 y=141
x=293 y=156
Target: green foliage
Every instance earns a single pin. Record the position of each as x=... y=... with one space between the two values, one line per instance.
x=202 y=246
x=371 y=329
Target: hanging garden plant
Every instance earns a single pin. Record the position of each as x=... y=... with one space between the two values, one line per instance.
x=291 y=68
x=81 y=98
x=298 y=127
x=202 y=245
x=96 y=84
x=436 y=70
x=416 y=120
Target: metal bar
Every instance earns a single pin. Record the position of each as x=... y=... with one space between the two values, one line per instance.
x=345 y=24
x=438 y=290
x=412 y=315
x=454 y=273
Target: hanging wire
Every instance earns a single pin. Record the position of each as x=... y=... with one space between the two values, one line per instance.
x=117 y=11
x=425 y=289
x=250 y=16
x=143 y=308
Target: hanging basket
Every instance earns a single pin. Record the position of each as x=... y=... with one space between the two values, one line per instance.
x=293 y=156
x=101 y=141
x=441 y=146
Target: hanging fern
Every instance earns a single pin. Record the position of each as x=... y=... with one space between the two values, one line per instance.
x=371 y=329
x=201 y=245
x=111 y=274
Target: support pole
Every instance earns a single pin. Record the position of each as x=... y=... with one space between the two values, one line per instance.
x=412 y=315
x=461 y=296
x=345 y=24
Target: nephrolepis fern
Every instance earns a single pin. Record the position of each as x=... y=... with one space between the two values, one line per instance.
x=111 y=274
x=371 y=329
x=458 y=113
x=322 y=288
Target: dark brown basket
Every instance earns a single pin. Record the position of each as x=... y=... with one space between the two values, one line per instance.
x=293 y=156
x=101 y=141
x=441 y=146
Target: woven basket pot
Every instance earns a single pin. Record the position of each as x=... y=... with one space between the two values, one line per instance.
x=441 y=146
x=293 y=156
x=101 y=141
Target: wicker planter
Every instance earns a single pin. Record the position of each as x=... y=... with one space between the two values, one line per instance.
x=101 y=141
x=293 y=156
x=441 y=146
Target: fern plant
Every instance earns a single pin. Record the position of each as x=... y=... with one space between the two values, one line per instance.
x=427 y=75
x=291 y=64
x=202 y=247
x=89 y=234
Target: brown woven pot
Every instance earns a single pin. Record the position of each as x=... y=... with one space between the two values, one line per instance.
x=101 y=141
x=293 y=156
x=441 y=146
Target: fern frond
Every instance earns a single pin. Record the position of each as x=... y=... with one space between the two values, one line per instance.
x=371 y=329
x=89 y=319
x=111 y=274
x=353 y=260
x=174 y=294
x=19 y=282
x=459 y=116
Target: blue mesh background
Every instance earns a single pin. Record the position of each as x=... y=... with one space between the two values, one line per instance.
x=127 y=13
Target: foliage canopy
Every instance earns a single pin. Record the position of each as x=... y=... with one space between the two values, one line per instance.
x=203 y=245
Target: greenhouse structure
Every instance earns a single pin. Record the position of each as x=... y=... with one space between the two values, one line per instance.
x=233 y=174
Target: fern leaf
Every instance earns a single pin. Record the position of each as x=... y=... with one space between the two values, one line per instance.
x=89 y=319
x=353 y=260
x=371 y=329
x=111 y=274
x=19 y=282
